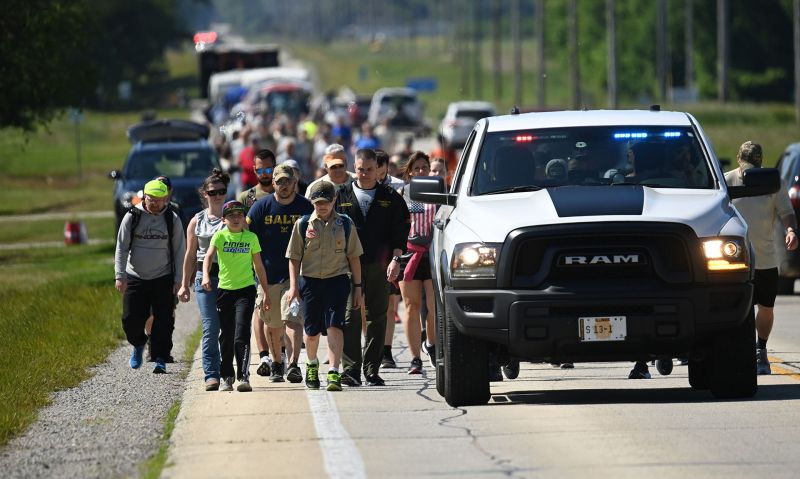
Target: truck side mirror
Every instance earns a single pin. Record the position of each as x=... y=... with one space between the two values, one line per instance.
x=431 y=189
x=757 y=182
x=115 y=175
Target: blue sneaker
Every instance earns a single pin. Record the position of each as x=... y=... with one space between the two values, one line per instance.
x=136 y=357
x=161 y=367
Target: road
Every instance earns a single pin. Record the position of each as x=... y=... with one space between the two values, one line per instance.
x=587 y=422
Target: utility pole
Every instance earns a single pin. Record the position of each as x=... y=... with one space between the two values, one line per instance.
x=478 y=51
x=497 y=59
x=540 y=53
x=797 y=60
x=574 y=69
x=661 y=49
x=515 y=37
x=689 y=48
x=611 y=8
x=723 y=54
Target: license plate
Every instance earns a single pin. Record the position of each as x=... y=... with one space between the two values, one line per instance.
x=607 y=328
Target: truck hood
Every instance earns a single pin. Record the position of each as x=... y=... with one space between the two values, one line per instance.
x=492 y=217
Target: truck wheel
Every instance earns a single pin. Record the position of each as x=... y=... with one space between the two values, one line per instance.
x=664 y=366
x=733 y=365
x=439 y=321
x=466 y=367
x=785 y=285
x=698 y=375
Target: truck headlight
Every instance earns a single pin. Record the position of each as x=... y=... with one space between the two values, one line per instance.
x=475 y=260
x=725 y=254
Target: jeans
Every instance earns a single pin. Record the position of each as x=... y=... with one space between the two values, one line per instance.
x=207 y=302
x=235 y=309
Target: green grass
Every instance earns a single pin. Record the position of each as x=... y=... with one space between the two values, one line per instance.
x=19 y=232
x=151 y=469
x=59 y=315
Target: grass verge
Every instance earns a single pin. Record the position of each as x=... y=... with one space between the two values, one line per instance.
x=59 y=315
x=151 y=468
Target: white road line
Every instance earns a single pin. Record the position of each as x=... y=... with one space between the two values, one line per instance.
x=342 y=459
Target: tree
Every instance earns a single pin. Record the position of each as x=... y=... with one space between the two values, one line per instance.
x=44 y=66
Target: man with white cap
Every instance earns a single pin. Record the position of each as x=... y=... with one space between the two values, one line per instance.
x=335 y=160
x=149 y=240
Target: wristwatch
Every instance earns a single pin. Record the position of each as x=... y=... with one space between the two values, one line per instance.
x=357 y=285
x=396 y=258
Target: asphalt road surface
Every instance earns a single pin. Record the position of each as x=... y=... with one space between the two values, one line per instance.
x=590 y=421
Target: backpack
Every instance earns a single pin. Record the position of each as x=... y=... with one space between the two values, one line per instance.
x=136 y=213
x=251 y=197
x=346 y=224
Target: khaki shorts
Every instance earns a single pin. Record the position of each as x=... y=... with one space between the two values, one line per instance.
x=278 y=315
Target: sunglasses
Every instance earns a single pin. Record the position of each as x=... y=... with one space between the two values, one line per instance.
x=283 y=182
x=336 y=166
x=264 y=171
x=216 y=192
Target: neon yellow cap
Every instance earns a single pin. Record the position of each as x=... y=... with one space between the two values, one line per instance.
x=156 y=189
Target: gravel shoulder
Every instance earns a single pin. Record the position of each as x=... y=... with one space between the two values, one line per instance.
x=110 y=423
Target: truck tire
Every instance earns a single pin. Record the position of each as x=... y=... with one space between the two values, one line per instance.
x=698 y=375
x=439 y=321
x=466 y=367
x=733 y=364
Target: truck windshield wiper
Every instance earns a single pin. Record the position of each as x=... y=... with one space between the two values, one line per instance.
x=515 y=189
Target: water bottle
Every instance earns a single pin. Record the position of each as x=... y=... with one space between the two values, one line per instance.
x=294 y=307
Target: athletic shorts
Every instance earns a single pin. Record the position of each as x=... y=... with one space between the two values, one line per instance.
x=278 y=314
x=423 y=271
x=324 y=303
x=766 y=287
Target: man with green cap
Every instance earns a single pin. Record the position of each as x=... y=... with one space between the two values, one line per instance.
x=149 y=240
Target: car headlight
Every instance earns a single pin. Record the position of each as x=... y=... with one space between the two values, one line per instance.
x=725 y=254
x=475 y=260
x=129 y=199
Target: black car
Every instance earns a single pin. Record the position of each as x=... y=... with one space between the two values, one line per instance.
x=177 y=149
x=789 y=261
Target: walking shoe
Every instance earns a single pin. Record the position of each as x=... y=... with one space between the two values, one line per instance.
x=169 y=360
x=294 y=374
x=416 y=366
x=161 y=367
x=226 y=384
x=312 y=376
x=431 y=352
x=639 y=371
x=375 y=380
x=762 y=366
x=351 y=379
x=567 y=366
x=136 y=357
x=388 y=362
x=511 y=370
x=212 y=384
x=263 y=368
x=334 y=381
x=244 y=386
x=277 y=373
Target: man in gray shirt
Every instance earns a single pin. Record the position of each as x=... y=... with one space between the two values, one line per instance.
x=149 y=242
x=761 y=213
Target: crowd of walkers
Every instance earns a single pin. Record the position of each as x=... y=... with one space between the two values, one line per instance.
x=287 y=261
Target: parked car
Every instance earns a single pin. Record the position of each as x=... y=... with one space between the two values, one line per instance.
x=400 y=106
x=789 y=261
x=591 y=236
x=459 y=119
x=177 y=149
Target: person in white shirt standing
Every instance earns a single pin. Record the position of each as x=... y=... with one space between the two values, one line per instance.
x=761 y=213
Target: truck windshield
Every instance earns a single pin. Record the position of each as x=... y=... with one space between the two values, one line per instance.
x=178 y=164
x=658 y=156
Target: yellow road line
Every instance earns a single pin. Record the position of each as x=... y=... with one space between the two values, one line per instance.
x=782 y=370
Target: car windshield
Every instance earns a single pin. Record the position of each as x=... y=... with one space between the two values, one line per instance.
x=668 y=157
x=473 y=115
x=146 y=165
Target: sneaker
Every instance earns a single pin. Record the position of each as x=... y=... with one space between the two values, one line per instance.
x=136 y=357
x=388 y=362
x=212 y=384
x=511 y=370
x=244 y=386
x=226 y=384
x=277 y=373
x=375 y=380
x=161 y=367
x=334 y=381
x=294 y=374
x=762 y=366
x=431 y=352
x=567 y=366
x=312 y=376
x=169 y=360
x=639 y=371
x=416 y=366
x=555 y=365
x=350 y=379
x=263 y=368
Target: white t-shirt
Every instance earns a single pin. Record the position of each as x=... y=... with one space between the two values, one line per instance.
x=364 y=197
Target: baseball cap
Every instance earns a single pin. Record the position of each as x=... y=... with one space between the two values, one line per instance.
x=334 y=154
x=156 y=189
x=282 y=171
x=164 y=180
x=322 y=190
x=292 y=163
x=232 y=206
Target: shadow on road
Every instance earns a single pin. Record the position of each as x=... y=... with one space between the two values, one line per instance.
x=772 y=392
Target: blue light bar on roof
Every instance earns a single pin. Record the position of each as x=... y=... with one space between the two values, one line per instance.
x=630 y=136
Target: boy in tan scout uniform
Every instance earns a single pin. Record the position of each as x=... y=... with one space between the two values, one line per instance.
x=323 y=249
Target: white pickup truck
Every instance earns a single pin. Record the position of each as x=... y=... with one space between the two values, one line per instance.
x=582 y=236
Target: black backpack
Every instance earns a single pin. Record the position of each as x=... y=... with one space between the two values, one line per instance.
x=136 y=213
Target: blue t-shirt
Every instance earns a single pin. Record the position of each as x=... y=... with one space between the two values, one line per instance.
x=272 y=222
